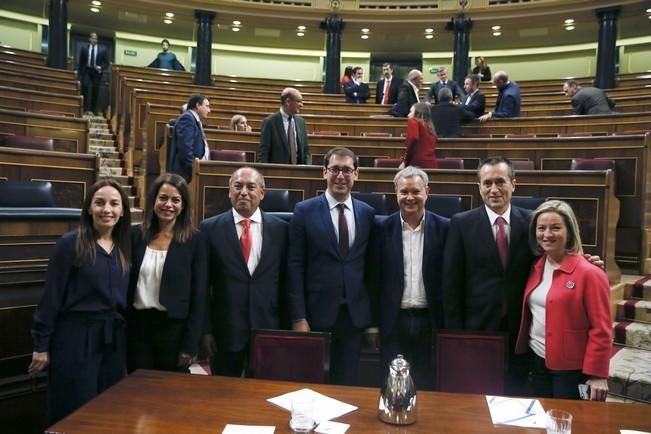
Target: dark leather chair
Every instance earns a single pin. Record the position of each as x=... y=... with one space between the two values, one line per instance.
x=28 y=142
x=376 y=200
x=592 y=164
x=387 y=162
x=445 y=206
x=26 y=194
x=226 y=155
x=276 y=201
x=449 y=163
x=469 y=362
x=376 y=134
x=523 y=164
x=532 y=202
x=290 y=356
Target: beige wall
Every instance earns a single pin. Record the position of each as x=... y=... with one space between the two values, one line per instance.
x=146 y=49
x=636 y=58
x=540 y=66
x=20 y=34
x=302 y=66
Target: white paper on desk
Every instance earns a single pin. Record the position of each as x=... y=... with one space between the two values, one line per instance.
x=523 y=412
x=630 y=431
x=330 y=427
x=325 y=408
x=248 y=429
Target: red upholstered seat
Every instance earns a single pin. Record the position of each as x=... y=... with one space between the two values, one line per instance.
x=28 y=142
x=592 y=164
x=469 y=362
x=523 y=164
x=225 y=155
x=387 y=162
x=449 y=163
x=290 y=356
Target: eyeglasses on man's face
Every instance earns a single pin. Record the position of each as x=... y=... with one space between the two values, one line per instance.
x=335 y=170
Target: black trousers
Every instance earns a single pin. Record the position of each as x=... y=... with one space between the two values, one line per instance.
x=411 y=337
x=548 y=383
x=86 y=358
x=90 y=82
x=153 y=341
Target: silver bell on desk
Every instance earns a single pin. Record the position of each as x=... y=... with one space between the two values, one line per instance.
x=398 y=396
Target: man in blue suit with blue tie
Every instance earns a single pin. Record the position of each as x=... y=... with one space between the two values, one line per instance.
x=409 y=259
x=189 y=138
x=328 y=238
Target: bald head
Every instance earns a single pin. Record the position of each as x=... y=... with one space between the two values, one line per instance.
x=500 y=79
x=291 y=101
x=415 y=77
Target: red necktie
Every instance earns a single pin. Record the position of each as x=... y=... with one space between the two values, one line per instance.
x=385 y=95
x=245 y=239
x=500 y=239
x=291 y=138
x=343 y=230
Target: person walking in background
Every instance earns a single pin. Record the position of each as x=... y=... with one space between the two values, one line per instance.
x=92 y=63
x=420 y=142
x=78 y=327
x=566 y=326
x=166 y=299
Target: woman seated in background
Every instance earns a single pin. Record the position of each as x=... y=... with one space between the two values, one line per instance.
x=166 y=301
x=421 y=138
x=347 y=77
x=482 y=68
x=78 y=328
x=566 y=322
x=238 y=123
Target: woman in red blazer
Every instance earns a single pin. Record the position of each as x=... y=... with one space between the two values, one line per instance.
x=566 y=322
x=421 y=138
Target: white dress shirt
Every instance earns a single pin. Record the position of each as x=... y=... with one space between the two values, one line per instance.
x=415 y=90
x=148 y=287
x=414 y=295
x=206 y=149
x=256 y=236
x=348 y=213
x=492 y=217
x=537 y=304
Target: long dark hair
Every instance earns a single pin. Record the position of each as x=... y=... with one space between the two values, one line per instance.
x=423 y=113
x=87 y=234
x=183 y=228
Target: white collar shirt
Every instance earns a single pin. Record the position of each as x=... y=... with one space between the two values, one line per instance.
x=348 y=214
x=256 y=236
x=492 y=217
x=415 y=90
x=206 y=149
x=413 y=295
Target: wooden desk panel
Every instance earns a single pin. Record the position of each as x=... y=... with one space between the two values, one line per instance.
x=162 y=402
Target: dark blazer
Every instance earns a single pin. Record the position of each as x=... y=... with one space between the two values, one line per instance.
x=357 y=93
x=188 y=145
x=406 y=98
x=181 y=291
x=274 y=145
x=433 y=93
x=239 y=301
x=476 y=287
x=592 y=101
x=390 y=269
x=101 y=59
x=318 y=274
x=393 y=90
x=477 y=103
x=507 y=104
x=447 y=118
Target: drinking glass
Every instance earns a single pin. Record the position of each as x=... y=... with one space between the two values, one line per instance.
x=559 y=422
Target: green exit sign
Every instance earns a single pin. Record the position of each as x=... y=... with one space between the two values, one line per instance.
x=130 y=53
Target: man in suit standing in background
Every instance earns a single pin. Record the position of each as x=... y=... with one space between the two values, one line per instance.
x=409 y=274
x=588 y=100
x=284 y=137
x=433 y=93
x=328 y=238
x=245 y=255
x=507 y=104
x=92 y=63
x=386 y=90
x=189 y=138
x=357 y=92
x=407 y=94
x=447 y=117
x=474 y=101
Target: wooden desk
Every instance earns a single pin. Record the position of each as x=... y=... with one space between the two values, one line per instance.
x=162 y=402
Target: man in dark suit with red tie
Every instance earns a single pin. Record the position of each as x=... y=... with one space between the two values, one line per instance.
x=92 y=63
x=189 y=138
x=283 y=138
x=245 y=256
x=386 y=90
x=328 y=238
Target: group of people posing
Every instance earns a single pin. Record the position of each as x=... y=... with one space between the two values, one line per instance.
x=121 y=297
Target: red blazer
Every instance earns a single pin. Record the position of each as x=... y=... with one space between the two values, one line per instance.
x=420 y=144
x=577 y=317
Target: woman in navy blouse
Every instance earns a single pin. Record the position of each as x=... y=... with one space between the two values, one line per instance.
x=166 y=301
x=78 y=329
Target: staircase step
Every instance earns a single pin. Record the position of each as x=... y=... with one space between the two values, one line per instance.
x=101 y=142
x=630 y=373
x=633 y=334
x=110 y=162
x=136 y=215
x=111 y=171
x=640 y=289
x=636 y=310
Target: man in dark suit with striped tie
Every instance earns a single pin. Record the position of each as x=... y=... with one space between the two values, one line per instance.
x=92 y=63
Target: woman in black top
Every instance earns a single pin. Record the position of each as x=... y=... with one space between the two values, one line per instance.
x=78 y=329
x=482 y=68
x=166 y=299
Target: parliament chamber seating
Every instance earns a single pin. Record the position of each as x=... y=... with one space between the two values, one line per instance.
x=387 y=162
x=28 y=142
x=592 y=164
x=227 y=155
x=327 y=133
x=276 y=201
x=449 y=163
x=290 y=356
x=523 y=165
x=469 y=362
x=377 y=201
x=444 y=205
x=527 y=202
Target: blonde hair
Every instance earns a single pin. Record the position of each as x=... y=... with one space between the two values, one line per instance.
x=563 y=209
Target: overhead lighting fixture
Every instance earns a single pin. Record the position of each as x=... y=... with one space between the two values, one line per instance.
x=236 y=29
x=301 y=34
x=569 y=28
x=237 y=23
x=430 y=36
x=167 y=21
x=648 y=11
x=429 y=30
x=94 y=10
x=569 y=21
x=96 y=3
x=496 y=28
x=497 y=33
x=301 y=28
x=365 y=30
x=169 y=14
x=364 y=36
